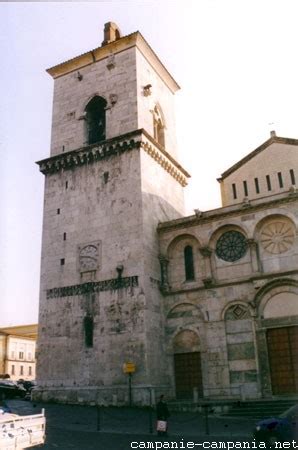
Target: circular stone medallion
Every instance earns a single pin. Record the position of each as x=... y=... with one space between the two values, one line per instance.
x=277 y=236
x=231 y=246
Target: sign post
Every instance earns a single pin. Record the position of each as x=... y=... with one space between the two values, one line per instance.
x=129 y=368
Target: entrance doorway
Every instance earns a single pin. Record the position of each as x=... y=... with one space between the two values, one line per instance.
x=283 y=359
x=188 y=374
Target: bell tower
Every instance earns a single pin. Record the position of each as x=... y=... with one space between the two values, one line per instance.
x=111 y=177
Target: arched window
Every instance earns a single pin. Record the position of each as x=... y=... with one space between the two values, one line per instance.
x=96 y=119
x=188 y=263
x=158 y=126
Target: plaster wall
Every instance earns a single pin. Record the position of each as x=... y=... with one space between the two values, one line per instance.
x=277 y=157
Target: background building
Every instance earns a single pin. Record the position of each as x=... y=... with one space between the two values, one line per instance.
x=199 y=304
x=17 y=351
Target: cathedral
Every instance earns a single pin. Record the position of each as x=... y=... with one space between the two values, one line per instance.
x=133 y=291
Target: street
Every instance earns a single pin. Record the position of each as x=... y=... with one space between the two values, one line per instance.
x=111 y=428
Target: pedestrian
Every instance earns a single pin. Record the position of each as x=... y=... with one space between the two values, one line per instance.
x=162 y=413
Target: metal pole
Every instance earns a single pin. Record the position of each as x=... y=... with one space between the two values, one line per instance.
x=150 y=412
x=97 y=418
x=206 y=420
x=129 y=389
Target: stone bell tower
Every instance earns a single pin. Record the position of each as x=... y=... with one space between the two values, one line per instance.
x=111 y=177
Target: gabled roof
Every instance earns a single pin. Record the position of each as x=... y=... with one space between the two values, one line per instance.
x=272 y=140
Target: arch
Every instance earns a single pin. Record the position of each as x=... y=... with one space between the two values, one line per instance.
x=186 y=341
x=182 y=239
x=222 y=229
x=229 y=243
x=232 y=307
x=96 y=119
x=158 y=125
x=185 y=310
x=184 y=263
x=117 y=34
x=276 y=234
x=275 y=287
x=282 y=304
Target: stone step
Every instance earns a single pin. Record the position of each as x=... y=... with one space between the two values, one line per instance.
x=256 y=409
x=260 y=409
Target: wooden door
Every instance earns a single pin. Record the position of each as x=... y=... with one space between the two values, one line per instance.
x=188 y=374
x=283 y=359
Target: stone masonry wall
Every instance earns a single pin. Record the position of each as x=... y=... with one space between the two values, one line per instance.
x=71 y=97
x=162 y=96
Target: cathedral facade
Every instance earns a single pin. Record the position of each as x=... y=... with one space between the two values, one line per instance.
x=204 y=306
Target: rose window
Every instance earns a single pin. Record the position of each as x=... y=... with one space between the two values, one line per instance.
x=277 y=236
x=231 y=246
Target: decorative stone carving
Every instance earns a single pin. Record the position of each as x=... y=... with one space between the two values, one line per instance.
x=293 y=190
x=198 y=213
x=164 y=272
x=111 y=147
x=93 y=287
x=231 y=246
x=88 y=256
x=206 y=252
x=111 y=62
x=164 y=162
x=237 y=312
x=147 y=90
x=113 y=99
x=277 y=236
x=208 y=282
x=246 y=203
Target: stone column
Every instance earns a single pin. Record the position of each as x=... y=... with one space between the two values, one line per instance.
x=206 y=252
x=164 y=262
x=256 y=263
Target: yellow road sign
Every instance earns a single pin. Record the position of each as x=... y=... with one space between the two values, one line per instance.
x=129 y=367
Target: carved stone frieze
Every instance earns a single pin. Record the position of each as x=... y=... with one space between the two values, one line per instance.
x=87 y=155
x=164 y=272
x=164 y=162
x=111 y=147
x=206 y=252
x=93 y=287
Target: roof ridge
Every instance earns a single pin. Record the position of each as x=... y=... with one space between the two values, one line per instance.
x=253 y=153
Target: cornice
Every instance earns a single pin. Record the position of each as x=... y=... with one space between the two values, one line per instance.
x=138 y=139
x=208 y=216
x=278 y=276
x=126 y=42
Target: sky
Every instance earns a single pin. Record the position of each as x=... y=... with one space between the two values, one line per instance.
x=236 y=63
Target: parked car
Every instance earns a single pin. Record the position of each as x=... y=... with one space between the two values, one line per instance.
x=278 y=429
x=10 y=389
x=27 y=384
